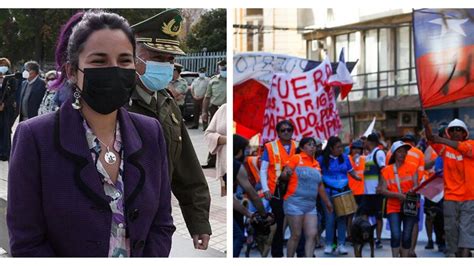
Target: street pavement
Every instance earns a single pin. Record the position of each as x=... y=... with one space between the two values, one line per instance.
x=182 y=244
x=385 y=251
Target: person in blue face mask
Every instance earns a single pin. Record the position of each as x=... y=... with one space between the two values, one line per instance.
x=157 y=45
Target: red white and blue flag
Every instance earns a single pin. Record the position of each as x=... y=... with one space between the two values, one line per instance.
x=342 y=78
x=444 y=51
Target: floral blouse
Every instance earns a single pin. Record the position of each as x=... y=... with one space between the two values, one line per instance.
x=119 y=245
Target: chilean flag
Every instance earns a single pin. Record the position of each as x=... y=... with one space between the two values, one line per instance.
x=432 y=189
x=444 y=51
x=342 y=78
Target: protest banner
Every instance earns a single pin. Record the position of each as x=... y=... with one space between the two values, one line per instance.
x=306 y=101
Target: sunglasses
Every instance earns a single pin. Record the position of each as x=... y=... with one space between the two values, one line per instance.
x=457 y=129
x=286 y=130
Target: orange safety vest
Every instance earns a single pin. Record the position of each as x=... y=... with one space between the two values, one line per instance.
x=357 y=187
x=416 y=157
x=458 y=170
x=252 y=164
x=299 y=160
x=406 y=181
x=277 y=157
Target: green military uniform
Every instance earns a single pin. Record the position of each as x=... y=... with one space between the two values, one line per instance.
x=188 y=182
x=180 y=86
x=216 y=90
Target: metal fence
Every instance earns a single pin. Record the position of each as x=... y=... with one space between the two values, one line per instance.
x=192 y=62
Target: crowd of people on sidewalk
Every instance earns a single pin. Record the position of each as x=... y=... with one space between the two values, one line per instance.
x=312 y=190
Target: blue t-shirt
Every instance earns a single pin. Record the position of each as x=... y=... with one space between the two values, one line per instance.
x=336 y=174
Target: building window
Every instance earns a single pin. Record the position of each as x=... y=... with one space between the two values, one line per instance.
x=255 y=35
x=403 y=60
x=371 y=63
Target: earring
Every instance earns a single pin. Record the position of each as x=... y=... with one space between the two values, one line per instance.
x=77 y=104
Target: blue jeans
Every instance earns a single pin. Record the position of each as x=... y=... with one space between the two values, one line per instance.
x=330 y=227
x=239 y=238
x=396 y=220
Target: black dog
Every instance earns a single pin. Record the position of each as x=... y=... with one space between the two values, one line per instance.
x=362 y=232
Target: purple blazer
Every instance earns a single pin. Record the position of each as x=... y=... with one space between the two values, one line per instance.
x=56 y=201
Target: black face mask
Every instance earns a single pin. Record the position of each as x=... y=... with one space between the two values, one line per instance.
x=107 y=89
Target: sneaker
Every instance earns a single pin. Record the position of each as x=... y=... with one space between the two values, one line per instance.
x=328 y=250
x=441 y=248
x=378 y=244
x=430 y=245
x=341 y=249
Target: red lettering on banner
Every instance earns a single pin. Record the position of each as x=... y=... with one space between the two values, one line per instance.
x=289 y=108
x=317 y=79
x=301 y=123
x=321 y=101
x=283 y=92
x=308 y=104
x=299 y=108
x=297 y=89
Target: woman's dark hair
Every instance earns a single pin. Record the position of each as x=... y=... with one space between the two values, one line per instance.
x=60 y=55
x=284 y=122
x=91 y=21
x=332 y=141
x=303 y=142
x=239 y=144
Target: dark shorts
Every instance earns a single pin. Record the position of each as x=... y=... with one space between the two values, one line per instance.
x=371 y=205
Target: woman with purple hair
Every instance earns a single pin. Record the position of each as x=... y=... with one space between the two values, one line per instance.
x=91 y=180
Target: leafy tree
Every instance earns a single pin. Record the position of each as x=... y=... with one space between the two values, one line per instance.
x=210 y=32
x=31 y=34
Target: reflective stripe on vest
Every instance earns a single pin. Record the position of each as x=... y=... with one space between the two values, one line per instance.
x=252 y=162
x=276 y=159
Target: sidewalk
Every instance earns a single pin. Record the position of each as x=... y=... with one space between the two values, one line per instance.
x=182 y=242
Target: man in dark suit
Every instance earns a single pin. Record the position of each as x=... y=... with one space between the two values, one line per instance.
x=32 y=91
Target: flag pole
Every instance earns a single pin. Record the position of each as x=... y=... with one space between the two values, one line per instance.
x=350 y=117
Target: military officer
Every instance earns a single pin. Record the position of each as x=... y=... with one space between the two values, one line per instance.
x=178 y=86
x=157 y=46
x=198 y=90
x=215 y=93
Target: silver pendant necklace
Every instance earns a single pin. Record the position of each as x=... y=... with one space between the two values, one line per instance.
x=109 y=156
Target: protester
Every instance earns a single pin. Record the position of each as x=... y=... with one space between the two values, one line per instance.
x=276 y=153
x=156 y=51
x=7 y=107
x=32 y=91
x=304 y=184
x=416 y=157
x=48 y=103
x=240 y=177
x=335 y=167
x=216 y=139
x=399 y=178
x=458 y=166
x=434 y=210
x=372 y=203
x=357 y=160
x=92 y=179
x=198 y=90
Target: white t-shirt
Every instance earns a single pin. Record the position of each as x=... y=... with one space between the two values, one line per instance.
x=371 y=185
